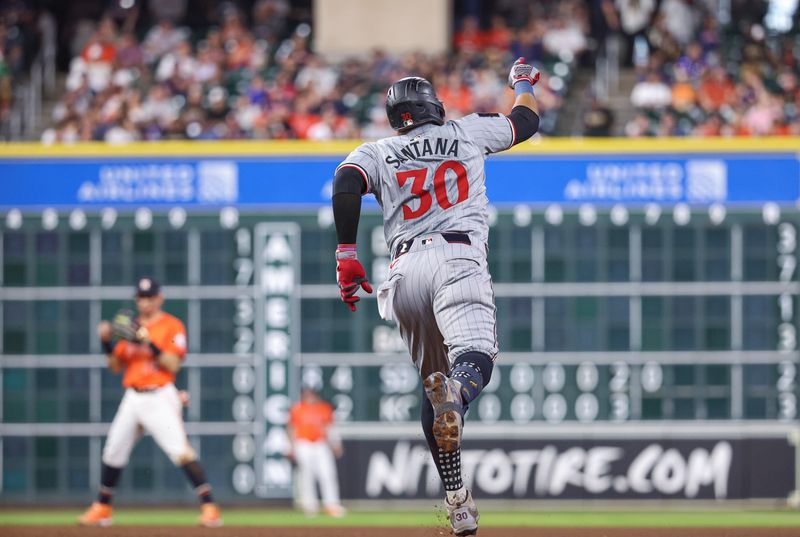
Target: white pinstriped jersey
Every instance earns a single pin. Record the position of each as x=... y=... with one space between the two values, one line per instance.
x=432 y=179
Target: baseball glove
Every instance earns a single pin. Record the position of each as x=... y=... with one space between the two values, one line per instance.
x=125 y=326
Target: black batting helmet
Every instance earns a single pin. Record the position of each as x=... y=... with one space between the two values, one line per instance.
x=412 y=102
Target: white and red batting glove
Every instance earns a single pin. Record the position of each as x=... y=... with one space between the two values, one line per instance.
x=523 y=72
x=350 y=275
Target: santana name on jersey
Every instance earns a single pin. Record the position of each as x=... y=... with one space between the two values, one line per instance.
x=424 y=148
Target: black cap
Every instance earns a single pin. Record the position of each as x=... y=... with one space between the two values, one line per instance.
x=147 y=286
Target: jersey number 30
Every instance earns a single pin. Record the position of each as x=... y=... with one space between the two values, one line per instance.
x=439 y=187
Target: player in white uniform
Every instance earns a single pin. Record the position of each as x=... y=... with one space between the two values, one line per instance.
x=149 y=349
x=430 y=182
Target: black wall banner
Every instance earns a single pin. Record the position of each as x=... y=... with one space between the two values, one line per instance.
x=725 y=468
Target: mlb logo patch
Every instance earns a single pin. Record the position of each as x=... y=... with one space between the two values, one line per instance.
x=429 y=240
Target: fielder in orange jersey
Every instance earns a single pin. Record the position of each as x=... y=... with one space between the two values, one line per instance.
x=315 y=443
x=149 y=349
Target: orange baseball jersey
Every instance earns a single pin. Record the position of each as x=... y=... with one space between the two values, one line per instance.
x=310 y=420
x=141 y=368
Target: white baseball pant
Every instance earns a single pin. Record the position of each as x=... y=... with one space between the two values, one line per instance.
x=316 y=464
x=158 y=413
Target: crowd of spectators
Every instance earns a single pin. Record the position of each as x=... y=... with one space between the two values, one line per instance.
x=255 y=75
x=19 y=39
x=696 y=78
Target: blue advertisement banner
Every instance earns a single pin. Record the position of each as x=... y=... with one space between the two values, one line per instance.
x=305 y=181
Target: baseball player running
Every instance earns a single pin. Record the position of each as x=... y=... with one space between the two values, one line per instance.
x=150 y=350
x=430 y=182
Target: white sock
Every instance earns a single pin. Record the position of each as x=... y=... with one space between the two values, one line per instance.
x=456 y=496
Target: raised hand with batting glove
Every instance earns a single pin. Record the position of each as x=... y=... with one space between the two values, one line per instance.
x=350 y=275
x=523 y=72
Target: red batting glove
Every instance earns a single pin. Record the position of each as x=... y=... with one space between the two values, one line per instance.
x=350 y=275
x=522 y=71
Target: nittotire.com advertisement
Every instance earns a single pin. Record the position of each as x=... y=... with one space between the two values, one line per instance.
x=717 y=469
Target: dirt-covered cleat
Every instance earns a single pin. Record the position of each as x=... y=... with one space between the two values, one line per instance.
x=98 y=514
x=447 y=409
x=210 y=516
x=464 y=515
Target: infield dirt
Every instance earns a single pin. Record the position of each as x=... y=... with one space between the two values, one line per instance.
x=172 y=531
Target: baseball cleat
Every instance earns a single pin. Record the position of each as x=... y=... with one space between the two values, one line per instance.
x=335 y=511
x=464 y=516
x=98 y=514
x=210 y=517
x=447 y=408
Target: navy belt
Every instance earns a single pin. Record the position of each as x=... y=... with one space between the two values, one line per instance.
x=147 y=389
x=451 y=237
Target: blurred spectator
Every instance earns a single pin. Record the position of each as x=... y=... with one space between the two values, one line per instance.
x=711 y=126
x=269 y=19
x=486 y=87
x=762 y=115
x=157 y=108
x=716 y=90
x=330 y=126
x=470 y=35
x=598 y=120
x=5 y=86
x=122 y=133
x=257 y=92
x=162 y=38
x=564 y=39
x=529 y=42
x=693 y=61
x=604 y=21
x=787 y=81
x=455 y=95
x=637 y=127
x=651 y=92
x=129 y=52
x=207 y=68
x=499 y=34
x=245 y=54
x=173 y=10
x=661 y=41
x=634 y=18
x=378 y=127
x=179 y=62
x=683 y=93
x=97 y=58
x=301 y=118
x=710 y=33
x=316 y=76
x=681 y=20
x=20 y=39
x=667 y=126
